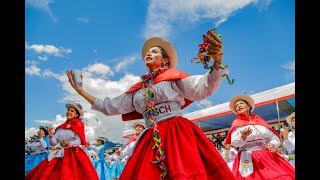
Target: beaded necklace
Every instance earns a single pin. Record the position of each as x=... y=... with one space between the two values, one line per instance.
x=149 y=99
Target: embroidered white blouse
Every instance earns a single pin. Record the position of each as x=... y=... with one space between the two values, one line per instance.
x=65 y=134
x=194 y=88
x=260 y=136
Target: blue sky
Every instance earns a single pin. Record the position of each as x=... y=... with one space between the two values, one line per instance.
x=103 y=39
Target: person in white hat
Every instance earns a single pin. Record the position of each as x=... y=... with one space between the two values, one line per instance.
x=257 y=142
x=175 y=144
x=138 y=127
x=117 y=166
x=101 y=166
x=67 y=158
x=96 y=147
x=37 y=151
x=289 y=139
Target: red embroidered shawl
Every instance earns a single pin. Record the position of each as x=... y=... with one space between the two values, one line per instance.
x=78 y=127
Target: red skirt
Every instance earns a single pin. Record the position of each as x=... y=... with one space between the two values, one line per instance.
x=266 y=165
x=189 y=154
x=75 y=165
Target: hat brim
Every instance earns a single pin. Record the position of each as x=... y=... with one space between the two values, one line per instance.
x=245 y=97
x=166 y=45
x=76 y=107
x=138 y=123
x=288 y=119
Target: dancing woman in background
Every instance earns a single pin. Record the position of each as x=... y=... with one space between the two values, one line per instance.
x=67 y=160
x=100 y=164
x=38 y=150
x=117 y=166
x=138 y=126
x=257 y=141
x=289 y=139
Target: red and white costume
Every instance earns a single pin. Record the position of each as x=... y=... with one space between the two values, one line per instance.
x=254 y=161
x=189 y=154
x=67 y=163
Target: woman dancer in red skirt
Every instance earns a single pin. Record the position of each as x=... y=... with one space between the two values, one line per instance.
x=66 y=160
x=172 y=147
x=257 y=158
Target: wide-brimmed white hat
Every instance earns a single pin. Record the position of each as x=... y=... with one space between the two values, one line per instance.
x=141 y=123
x=158 y=41
x=244 y=97
x=77 y=106
x=288 y=119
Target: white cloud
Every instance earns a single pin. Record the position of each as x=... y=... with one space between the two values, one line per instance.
x=65 y=51
x=203 y=104
x=99 y=69
x=43 y=58
x=289 y=66
x=125 y=62
x=291 y=70
x=30 y=132
x=30 y=62
x=32 y=70
x=48 y=49
x=83 y=20
x=163 y=13
x=44 y=6
x=49 y=73
x=262 y=5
